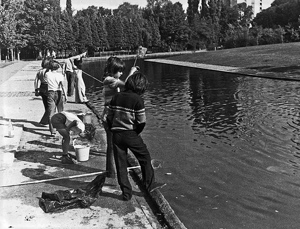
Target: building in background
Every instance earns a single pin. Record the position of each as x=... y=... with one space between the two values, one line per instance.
x=257 y=5
x=230 y=3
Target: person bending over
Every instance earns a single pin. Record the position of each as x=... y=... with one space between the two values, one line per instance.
x=64 y=122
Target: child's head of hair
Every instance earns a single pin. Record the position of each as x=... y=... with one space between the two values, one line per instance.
x=89 y=131
x=113 y=66
x=53 y=65
x=78 y=63
x=46 y=61
x=137 y=83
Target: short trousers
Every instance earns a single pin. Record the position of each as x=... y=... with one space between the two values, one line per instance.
x=59 y=121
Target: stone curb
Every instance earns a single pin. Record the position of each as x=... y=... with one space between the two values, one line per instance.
x=158 y=198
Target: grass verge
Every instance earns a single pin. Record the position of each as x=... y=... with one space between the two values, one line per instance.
x=268 y=58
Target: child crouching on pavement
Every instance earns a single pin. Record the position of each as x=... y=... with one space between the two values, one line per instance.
x=64 y=122
x=127 y=118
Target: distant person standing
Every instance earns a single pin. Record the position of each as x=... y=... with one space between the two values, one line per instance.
x=69 y=71
x=42 y=88
x=56 y=94
x=53 y=54
x=80 y=96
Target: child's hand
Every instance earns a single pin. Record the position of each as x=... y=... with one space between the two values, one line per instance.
x=82 y=135
x=133 y=70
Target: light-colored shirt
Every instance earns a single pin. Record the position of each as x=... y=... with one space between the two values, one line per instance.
x=70 y=118
x=53 y=79
x=110 y=88
x=69 y=64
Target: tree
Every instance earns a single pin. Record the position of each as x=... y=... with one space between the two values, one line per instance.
x=192 y=10
x=69 y=41
x=51 y=35
x=38 y=14
x=281 y=12
x=69 y=8
x=173 y=26
x=128 y=10
x=110 y=31
x=204 y=9
x=85 y=35
x=93 y=15
x=12 y=27
x=102 y=33
x=118 y=32
x=156 y=38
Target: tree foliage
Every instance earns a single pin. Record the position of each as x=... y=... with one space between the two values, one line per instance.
x=161 y=26
x=12 y=25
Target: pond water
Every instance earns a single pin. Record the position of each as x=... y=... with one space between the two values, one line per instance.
x=229 y=145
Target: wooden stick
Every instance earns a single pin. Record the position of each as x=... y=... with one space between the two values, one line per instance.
x=55 y=179
x=135 y=60
x=73 y=176
x=152 y=163
x=133 y=167
x=92 y=77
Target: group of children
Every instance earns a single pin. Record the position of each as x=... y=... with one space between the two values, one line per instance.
x=51 y=89
x=123 y=119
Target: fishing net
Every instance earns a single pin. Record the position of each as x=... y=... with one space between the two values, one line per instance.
x=141 y=51
x=62 y=200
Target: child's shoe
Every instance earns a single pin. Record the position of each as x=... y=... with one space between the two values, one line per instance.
x=65 y=159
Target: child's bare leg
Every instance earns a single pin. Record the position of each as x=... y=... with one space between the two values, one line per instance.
x=66 y=140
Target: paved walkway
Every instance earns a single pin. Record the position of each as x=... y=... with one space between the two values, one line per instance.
x=32 y=156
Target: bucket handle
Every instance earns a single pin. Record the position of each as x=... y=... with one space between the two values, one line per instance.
x=73 y=142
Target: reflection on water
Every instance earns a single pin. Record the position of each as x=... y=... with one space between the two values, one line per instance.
x=230 y=143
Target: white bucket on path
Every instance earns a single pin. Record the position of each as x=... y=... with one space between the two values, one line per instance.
x=82 y=152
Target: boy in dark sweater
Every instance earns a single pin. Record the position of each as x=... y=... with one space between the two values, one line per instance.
x=126 y=119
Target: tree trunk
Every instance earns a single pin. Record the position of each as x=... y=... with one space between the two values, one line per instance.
x=40 y=55
x=18 y=55
x=12 y=54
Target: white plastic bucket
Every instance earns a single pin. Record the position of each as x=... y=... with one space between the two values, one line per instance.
x=82 y=152
x=87 y=118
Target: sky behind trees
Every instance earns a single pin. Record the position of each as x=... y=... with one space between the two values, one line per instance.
x=111 y=4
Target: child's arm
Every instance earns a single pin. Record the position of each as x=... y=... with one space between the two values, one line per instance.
x=132 y=70
x=110 y=116
x=72 y=124
x=113 y=82
x=63 y=90
x=78 y=56
x=140 y=128
x=36 y=84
